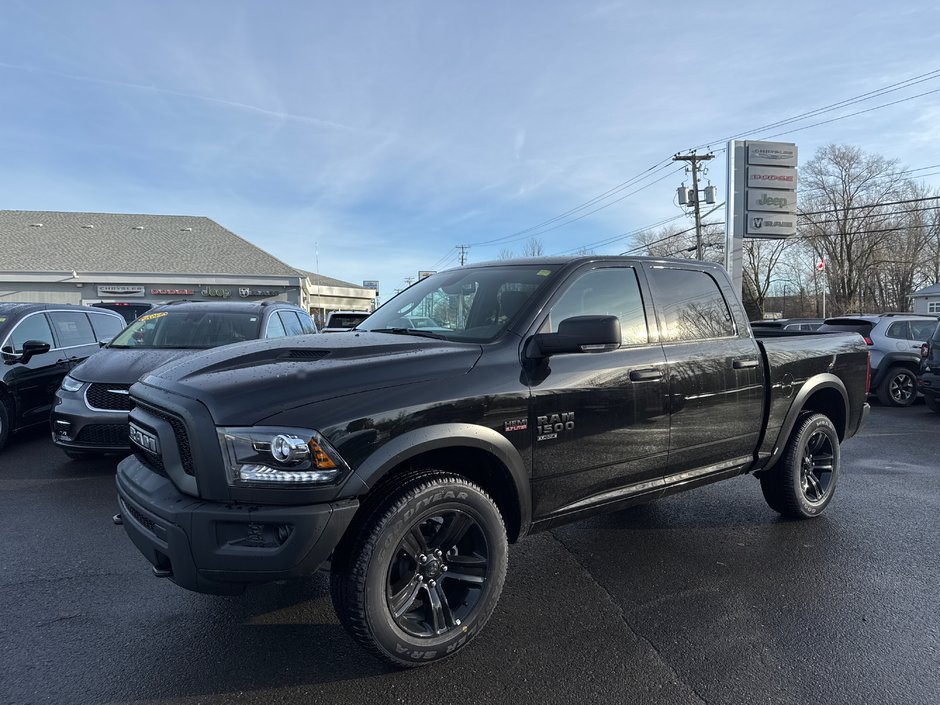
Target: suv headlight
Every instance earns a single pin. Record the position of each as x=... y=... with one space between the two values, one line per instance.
x=279 y=457
x=70 y=384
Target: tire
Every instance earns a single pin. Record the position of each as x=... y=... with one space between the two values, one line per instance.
x=803 y=482
x=932 y=403
x=423 y=573
x=4 y=422
x=898 y=388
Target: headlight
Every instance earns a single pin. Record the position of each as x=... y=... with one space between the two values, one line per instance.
x=70 y=384
x=261 y=455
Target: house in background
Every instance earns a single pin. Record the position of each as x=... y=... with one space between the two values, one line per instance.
x=927 y=300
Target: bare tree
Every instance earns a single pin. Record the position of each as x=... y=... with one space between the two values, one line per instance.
x=506 y=253
x=761 y=258
x=533 y=247
x=843 y=215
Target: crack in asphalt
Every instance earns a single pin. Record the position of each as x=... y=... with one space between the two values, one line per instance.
x=623 y=617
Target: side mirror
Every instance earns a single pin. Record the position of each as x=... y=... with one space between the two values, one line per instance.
x=31 y=348
x=103 y=343
x=578 y=334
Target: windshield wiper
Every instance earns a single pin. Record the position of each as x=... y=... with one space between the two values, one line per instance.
x=406 y=331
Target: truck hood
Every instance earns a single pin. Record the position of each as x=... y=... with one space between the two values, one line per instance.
x=124 y=365
x=243 y=383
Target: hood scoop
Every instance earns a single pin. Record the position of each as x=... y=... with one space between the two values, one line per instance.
x=303 y=354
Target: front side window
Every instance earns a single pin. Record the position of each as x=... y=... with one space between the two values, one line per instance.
x=690 y=305
x=33 y=327
x=604 y=292
x=274 y=329
x=72 y=328
x=468 y=304
x=922 y=330
x=192 y=329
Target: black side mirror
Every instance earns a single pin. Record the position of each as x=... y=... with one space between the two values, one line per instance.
x=578 y=334
x=31 y=348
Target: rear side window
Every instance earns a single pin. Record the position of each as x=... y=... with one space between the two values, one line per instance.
x=307 y=323
x=922 y=330
x=900 y=330
x=33 y=327
x=72 y=328
x=106 y=326
x=690 y=305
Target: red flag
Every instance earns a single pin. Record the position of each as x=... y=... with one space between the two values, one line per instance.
x=822 y=264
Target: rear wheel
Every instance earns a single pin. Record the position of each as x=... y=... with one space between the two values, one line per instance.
x=899 y=387
x=932 y=403
x=801 y=485
x=424 y=574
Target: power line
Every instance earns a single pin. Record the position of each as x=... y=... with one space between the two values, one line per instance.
x=621 y=236
x=870 y=205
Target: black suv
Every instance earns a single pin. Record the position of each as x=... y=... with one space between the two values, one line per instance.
x=39 y=344
x=90 y=416
x=928 y=381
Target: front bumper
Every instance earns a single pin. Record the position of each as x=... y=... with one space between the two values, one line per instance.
x=77 y=427
x=218 y=548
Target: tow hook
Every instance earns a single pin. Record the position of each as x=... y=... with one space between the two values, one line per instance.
x=117 y=519
x=160 y=573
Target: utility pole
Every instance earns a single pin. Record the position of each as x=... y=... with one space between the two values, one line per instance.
x=694 y=160
x=408 y=280
x=463 y=253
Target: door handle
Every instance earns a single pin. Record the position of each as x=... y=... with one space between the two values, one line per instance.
x=61 y=361
x=645 y=375
x=744 y=364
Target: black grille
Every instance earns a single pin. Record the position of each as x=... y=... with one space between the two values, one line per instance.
x=154 y=462
x=100 y=396
x=114 y=434
x=182 y=437
x=147 y=523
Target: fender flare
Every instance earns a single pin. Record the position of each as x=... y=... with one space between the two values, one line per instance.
x=894 y=359
x=450 y=435
x=825 y=380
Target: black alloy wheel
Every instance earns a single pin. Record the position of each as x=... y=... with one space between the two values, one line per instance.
x=803 y=481
x=419 y=574
x=437 y=574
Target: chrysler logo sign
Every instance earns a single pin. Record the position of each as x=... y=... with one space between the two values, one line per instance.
x=144 y=439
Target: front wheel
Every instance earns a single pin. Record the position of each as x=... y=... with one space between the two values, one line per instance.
x=802 y=483
x=424 y=574
x=899 y=387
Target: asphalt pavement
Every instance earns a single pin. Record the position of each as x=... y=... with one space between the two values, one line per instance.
x=705 y=597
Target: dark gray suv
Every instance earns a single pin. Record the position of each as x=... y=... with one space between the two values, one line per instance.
x=90 y=416
x=895 y=340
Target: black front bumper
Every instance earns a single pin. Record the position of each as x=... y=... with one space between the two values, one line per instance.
x=75 y=426
x=218 y=548
x=928 y=384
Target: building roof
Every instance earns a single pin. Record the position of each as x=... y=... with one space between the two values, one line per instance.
x=50 y=241
x=932 y=290
x=324 y=280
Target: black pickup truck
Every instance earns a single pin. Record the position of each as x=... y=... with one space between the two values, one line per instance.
x=405 y=457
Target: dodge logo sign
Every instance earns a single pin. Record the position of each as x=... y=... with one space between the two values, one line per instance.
x=144 y=439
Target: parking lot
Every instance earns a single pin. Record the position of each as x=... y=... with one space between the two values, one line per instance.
x=706 y=597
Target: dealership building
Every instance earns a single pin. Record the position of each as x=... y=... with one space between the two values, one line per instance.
x=86 y=258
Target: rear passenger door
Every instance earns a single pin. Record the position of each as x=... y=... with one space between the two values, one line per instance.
x=716 y=375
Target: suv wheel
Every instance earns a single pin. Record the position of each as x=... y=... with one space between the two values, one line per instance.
x=801 y=485
x=899 y=387
x=425 y=572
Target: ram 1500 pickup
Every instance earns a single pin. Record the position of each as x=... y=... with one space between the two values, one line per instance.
x=404 y=458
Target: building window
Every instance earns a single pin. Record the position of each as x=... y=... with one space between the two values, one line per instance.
x=933 y=307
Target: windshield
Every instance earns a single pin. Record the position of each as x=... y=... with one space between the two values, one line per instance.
x=471 y=304
x=189 y=329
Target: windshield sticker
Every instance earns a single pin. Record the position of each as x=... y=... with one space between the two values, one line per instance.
x=544 y=272
x=151 y=316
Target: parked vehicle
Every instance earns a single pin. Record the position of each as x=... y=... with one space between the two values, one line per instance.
x=409 y=457
x=90 y=416
x=928 y=380
x=340 y=321
x=894 y=340
x=130 y=311
x=809 y=324
x=39 y=344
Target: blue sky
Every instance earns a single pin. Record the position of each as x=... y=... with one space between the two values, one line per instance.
x=385 y=134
